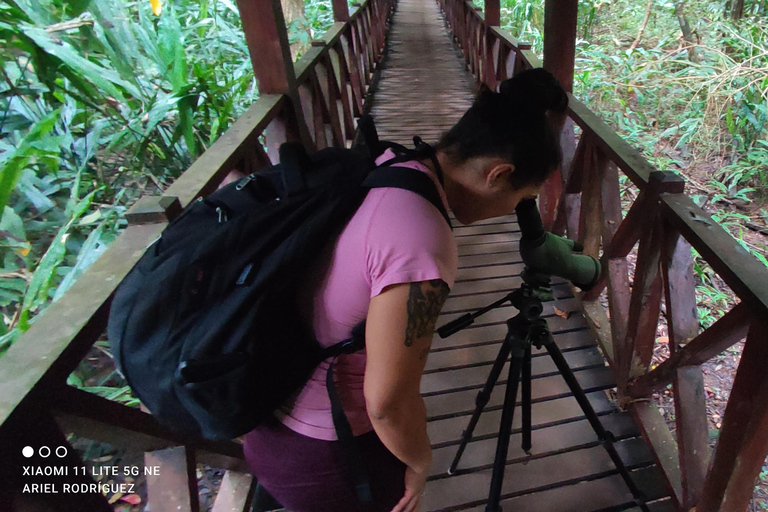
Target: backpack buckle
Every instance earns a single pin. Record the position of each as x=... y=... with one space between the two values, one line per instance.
x=351 y=346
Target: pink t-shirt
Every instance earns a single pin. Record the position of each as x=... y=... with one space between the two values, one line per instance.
x=396 y=236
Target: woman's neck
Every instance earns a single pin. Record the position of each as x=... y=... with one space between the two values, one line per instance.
x=448 y=171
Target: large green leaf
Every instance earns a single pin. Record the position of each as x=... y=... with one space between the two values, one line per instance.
x=11 y=289
x=186 y=122
x=90 y=251
x=115 y=30
x=105 y=79
x=39 y=11
x=8 y=339
x=11 y=226
x=173 y=51
x=13 y=236
x=146 y=34
x=37 y=293
x=15 y=164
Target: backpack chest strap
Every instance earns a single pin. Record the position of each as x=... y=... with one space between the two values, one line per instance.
x=407 y=179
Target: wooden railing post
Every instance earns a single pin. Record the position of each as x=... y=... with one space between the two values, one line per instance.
x=492 y=13
x=492 y=19
x=559 y=53
x=560 y=18
x=615 y=269
x=690 y=400
x=743 y=442
x=634 y=355
x=267 y=38
x=172 y=479
x=234 y=493
x=340 y=10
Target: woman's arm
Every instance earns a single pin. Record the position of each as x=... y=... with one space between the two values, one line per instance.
x=399 y=329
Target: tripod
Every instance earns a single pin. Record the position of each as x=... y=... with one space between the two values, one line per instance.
x=525 y=329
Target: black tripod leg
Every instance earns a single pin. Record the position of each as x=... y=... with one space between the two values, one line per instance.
x=526 y=400
x=502 y=445
x=480 y=402
x=605 y=437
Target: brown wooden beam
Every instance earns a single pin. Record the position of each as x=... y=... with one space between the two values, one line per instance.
x=664 y=448
x=267 y=38
x=591 y=214
x=619 y=295
x=690 y=400
x=569 y=206
x=644 y=308
x=719 y=336
x=739 y=269
x=172 y=479
x=560 y=18
x=743 y=442
x=492 y=13
x=340 y=10
x=97 y=418
x=234 y=493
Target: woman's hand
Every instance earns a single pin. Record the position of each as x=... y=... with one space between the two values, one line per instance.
x=415 y=483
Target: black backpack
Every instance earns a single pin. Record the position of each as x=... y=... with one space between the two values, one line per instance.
x=204 y=327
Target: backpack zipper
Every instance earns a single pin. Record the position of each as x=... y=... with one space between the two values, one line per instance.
x=244 y=182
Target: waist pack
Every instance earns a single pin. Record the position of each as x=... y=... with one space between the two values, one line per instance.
x=205 y=328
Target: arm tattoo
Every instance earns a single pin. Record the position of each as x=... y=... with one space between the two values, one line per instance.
x=425 y=300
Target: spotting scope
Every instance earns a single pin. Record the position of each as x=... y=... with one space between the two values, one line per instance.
x=545 y=253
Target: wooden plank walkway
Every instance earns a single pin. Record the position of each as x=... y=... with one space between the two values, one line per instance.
x=423 y=90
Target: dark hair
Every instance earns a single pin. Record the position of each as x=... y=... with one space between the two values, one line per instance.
x=512 y=124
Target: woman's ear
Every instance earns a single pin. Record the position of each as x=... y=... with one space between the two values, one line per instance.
x=499 y=173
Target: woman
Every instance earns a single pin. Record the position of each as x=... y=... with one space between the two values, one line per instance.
x=393 y=265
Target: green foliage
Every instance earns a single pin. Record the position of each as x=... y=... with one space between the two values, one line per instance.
x=525 y=19
x=100 y=103
x=715 y=109
x=319 y=16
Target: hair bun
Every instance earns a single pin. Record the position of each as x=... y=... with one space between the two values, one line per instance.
x=534 y=90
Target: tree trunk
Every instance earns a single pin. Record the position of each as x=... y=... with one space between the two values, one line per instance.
x=737 y=10
x=293 y=10
x=642 y=28
x=685 y=27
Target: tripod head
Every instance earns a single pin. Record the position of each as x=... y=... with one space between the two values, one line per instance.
x=527 y=299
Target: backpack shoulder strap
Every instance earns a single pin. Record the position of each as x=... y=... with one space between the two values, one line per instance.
x=407 y=179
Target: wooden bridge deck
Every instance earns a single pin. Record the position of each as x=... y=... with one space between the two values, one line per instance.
x=424 y=88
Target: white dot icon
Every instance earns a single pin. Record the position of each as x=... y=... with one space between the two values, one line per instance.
x=28 y=451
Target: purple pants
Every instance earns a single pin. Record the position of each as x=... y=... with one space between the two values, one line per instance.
x=311 y=475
